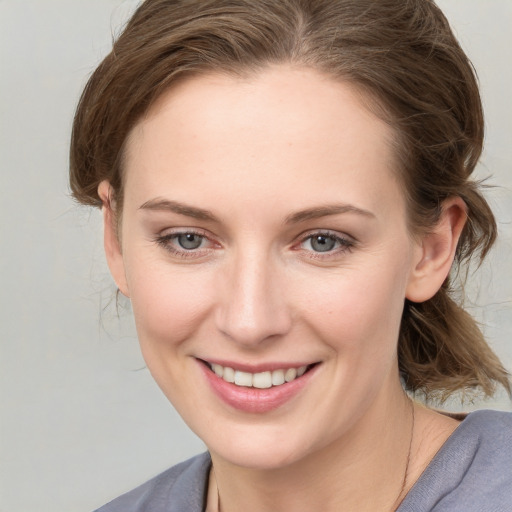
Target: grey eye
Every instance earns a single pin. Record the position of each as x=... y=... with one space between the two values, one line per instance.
x=322 y=243
x=189 y=241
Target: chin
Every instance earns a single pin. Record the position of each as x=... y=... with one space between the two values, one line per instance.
x=256 y=458
x=267 y=449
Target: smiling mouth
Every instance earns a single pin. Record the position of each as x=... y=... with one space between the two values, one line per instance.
x=260 y=380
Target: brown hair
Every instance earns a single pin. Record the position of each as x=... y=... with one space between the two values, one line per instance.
x=403 y=57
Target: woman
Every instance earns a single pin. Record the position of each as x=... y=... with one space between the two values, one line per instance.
x=285 y=187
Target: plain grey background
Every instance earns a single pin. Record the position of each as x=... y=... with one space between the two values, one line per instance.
x=81 y=419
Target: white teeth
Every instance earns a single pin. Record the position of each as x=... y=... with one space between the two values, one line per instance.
x=262 y=380
x=228 y=374
x=290 y=374
x=243 y=379
x=277 y=377
x=218 y=369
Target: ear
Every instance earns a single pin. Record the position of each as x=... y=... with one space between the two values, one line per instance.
x=110 y=238
x=435 y=252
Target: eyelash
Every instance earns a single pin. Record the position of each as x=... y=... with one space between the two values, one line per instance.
x=345 y=244
x=165 y=241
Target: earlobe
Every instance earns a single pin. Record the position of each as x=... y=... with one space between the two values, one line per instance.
x=435 y=252
x=111 y=241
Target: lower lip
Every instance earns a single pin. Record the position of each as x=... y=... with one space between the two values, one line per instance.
x=253 y=399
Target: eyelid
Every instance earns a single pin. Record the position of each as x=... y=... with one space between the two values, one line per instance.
x=327 y=232
x=168 y=232
x=165 y=238
x=346 y=242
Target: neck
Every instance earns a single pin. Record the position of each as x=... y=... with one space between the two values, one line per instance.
x=365 y=470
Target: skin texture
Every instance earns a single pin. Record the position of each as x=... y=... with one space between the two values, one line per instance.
x=253 y=155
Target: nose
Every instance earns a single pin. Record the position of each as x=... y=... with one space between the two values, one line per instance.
x=253 y=307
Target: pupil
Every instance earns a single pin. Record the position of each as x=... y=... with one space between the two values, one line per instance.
x=322 y=243
x=190 y=241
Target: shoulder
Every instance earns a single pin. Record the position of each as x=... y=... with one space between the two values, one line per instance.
x=471 y=472
x=181 y=488
x=485 y=434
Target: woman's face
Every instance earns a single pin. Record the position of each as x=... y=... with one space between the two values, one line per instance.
x=263 y=232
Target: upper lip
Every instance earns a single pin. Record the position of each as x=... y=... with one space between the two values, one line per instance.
x=257 y=368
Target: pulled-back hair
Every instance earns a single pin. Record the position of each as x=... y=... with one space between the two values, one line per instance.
x=403 y=58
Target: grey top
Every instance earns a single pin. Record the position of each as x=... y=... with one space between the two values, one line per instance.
x=472 y=472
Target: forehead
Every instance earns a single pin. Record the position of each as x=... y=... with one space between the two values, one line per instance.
x=283 y=130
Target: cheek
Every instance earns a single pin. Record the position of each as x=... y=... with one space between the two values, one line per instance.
x=359 y=311
x=168 y=305
x=170 y=308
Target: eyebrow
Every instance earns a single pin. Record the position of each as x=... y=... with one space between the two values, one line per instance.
x=165 y=205
x=324 y=211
